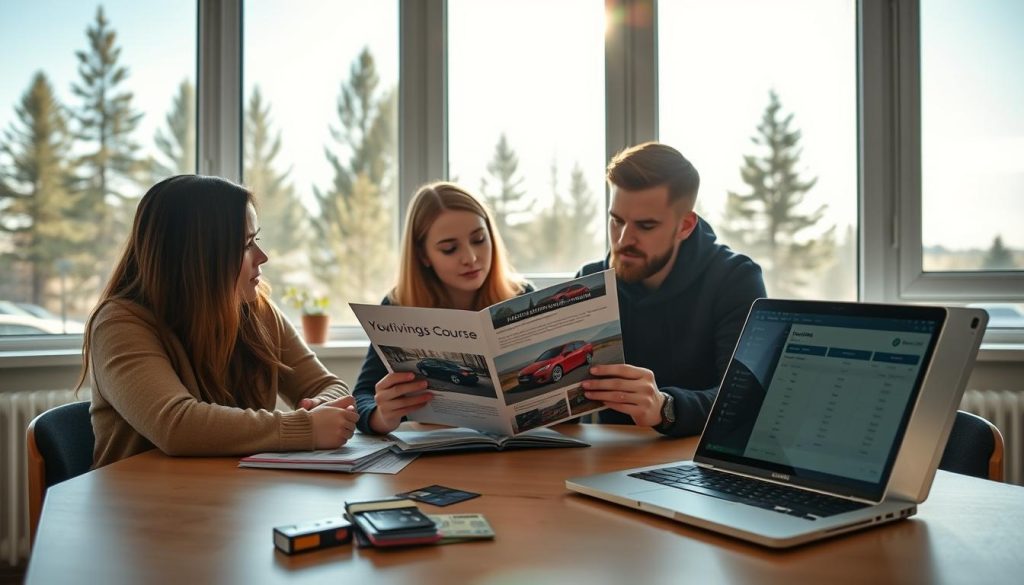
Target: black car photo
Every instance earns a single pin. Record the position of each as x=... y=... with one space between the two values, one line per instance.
x=447 y=370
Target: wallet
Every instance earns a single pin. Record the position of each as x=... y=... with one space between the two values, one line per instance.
x=392 y=522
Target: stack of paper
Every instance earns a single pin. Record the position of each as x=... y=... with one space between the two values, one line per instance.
x=360 y=453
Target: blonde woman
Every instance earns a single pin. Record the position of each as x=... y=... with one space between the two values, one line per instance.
x=452 y=258
x=185 y=351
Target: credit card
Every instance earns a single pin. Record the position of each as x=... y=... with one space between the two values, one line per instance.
x=439 y=495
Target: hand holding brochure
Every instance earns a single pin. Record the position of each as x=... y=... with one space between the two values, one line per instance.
x=511 y=367
x=463 y=439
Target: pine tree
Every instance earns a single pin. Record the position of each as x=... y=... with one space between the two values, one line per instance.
x=112 y=167
x=565 y=226
x=584 y=242
x=508 y=202
x=999 y=257
x=37 y=197
x=177 y=142
x=545 y=228
x=840 y=279
x=768 y=222
x=356 y=228
x=282 y=217
x=361 y=257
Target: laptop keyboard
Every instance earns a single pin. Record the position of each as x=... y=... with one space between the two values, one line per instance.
x=762 y=494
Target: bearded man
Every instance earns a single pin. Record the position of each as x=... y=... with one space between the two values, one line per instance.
x=683 y=296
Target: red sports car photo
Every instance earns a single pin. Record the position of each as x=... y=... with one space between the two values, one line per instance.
x=554 y=363
x=573 y=291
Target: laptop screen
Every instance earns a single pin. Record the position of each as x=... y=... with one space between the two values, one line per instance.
x=818 y=394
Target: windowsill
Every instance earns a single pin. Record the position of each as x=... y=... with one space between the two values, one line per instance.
x=355 y=349
x=1001 y=352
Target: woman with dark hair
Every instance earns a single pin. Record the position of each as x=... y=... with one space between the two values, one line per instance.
x=185 y=351
x=452 y=258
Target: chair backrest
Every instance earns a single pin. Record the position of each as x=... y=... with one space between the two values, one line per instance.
x=975 y=447
x=60 y=444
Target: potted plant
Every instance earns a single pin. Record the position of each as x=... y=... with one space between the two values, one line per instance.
x=315 y=320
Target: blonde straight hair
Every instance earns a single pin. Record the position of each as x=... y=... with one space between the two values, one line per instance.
x=418 y=285
x=181 y=262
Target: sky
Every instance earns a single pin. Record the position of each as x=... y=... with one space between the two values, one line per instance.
x=973 y=137
x=539 y=77
x=716 y=71
x=299 y=59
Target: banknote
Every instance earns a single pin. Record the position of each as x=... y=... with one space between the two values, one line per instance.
x=462 y=527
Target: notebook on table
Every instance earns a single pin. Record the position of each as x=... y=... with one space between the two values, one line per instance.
x=831 y=417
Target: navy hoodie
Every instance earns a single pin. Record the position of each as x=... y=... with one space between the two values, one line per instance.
x=685 y=330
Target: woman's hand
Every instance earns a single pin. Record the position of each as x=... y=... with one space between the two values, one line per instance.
x=397 y=394
x=310 y=403
x=334 y=422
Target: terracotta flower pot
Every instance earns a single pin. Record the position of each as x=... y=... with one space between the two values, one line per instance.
x=315 y=328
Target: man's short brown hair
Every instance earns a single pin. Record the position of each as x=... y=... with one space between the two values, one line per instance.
x=653 y=164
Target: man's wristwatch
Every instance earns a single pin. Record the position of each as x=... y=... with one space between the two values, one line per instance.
x=668 y=413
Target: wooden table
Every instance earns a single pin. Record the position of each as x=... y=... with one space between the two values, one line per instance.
x=152 y=519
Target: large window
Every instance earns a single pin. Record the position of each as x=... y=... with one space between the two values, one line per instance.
x=972 y=135
x=97 y=102
x=761 y=97
x=837 y=140
x=525 y=120
x=320 y=144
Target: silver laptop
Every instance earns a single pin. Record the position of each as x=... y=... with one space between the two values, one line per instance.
x=831 y=417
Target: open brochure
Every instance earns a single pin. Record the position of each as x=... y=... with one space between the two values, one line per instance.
x=511 y=367
x=463 y=439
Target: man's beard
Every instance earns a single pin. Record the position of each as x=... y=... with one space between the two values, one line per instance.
x=637 y=272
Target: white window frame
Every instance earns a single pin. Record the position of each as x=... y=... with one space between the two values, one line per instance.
x=892 y=268
x=219 y=90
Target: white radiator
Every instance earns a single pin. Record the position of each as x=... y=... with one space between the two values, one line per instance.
x=1004 y=409
x=17 y=409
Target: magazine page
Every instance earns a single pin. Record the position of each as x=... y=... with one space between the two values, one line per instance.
x=545 y=342
x=451 y=350
x=512 y=367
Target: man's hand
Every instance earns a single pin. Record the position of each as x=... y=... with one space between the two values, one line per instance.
x=627 y=389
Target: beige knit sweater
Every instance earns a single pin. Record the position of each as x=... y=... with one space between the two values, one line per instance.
x=145 y=395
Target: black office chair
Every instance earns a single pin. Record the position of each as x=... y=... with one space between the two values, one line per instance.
x=975 y=447
x=60 y=443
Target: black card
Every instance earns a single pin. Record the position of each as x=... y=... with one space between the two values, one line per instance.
x=438 y=495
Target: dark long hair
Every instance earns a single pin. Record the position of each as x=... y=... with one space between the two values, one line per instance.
x=182 y=261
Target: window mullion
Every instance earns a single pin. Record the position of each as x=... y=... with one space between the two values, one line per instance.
x=631 y=74
x=219 y=89
x=422 y=102
x=878 y=143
